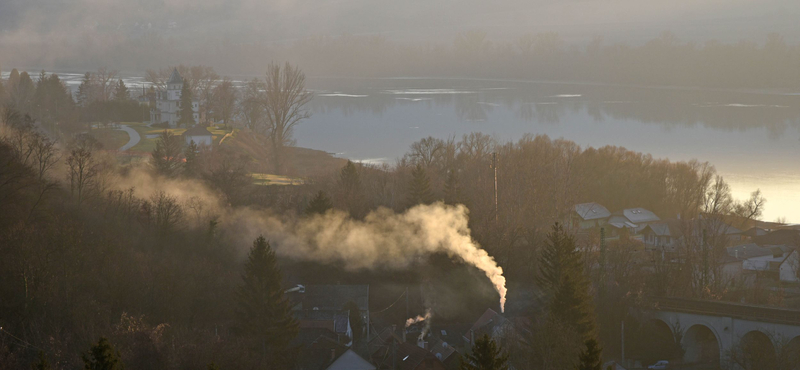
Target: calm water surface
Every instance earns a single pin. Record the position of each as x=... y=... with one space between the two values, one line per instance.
x=753 y=139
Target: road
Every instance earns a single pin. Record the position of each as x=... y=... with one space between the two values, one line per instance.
x=134 y=138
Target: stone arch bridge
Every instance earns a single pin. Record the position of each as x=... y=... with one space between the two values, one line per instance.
x=711 y=332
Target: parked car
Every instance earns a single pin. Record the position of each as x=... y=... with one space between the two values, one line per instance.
x=661 y=365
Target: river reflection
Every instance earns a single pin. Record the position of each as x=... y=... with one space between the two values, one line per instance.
x=752 y=138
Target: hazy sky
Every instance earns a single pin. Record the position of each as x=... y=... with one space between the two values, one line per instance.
x=410 y=20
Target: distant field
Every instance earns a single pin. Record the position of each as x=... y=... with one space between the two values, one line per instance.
x=268 y=179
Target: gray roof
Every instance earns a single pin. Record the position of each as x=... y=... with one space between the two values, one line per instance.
x=175 y=77
x=620 y=222
x=752 y=250
x=639 y=215
x=334 y=297
x=591 y=211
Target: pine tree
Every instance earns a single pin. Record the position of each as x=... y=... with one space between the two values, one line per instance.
x=591 y=357
x=102 y=356
x=84 y=95
x=42 y=363
x=186 y=113
x=562 y=276
x=419 y=189
x=350 y=188
x=319 y=205
x=2 y=93
x=190 y=167
x=485 y=355
x=167 y=154
x=356 y=323
x=121 y=91
x=264 y=312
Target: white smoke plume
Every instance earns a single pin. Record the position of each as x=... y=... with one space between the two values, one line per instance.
x=384 y=239
x=419 y=318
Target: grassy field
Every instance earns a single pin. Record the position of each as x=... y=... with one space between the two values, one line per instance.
x=147 y=144
x=268 y=179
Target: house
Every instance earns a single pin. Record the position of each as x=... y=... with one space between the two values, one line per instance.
x=388 y=351
x=335 y=321
x=168 y=102
x=334 y=297
x=779 y=237
x=589 y=215
x=350 y=361
x=663 y=235
x=198 y=135
x=789 y=270
x=327 y=354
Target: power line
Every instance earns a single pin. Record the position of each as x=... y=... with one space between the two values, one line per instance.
x=391 y=305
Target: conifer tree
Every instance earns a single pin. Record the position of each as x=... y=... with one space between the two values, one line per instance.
x=102 y=356
x=167 y=154
x=2 y=93
x=419 y=189
x=264 y=312
x=350 y=188
x=485 y=355
x=190 y=167
x=121 y=92
x=186 y=113
x=562 y=276
x=356 y=323
x=84 y=95
x=319 y=205
x=41 y=363
x=591 y=357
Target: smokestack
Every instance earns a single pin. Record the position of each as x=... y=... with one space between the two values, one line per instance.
x=421 y=343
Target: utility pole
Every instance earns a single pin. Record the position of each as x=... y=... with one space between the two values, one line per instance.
x=602 y=260
x=407 y=311
x=494 y=165
x=623 y=342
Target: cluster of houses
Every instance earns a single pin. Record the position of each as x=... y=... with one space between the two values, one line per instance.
x=765 y=249
x=326 y=334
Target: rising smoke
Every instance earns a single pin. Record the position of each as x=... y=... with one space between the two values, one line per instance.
x=383 y=239
x=420 y=318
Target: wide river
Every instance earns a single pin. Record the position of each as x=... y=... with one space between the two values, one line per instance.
x=752 y=138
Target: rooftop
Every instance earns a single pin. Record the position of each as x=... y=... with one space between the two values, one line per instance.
x=175 y=77
x=591 y=211
x=639 y=215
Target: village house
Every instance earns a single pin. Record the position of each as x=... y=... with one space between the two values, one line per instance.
x=199 y=135
x=589 y=215
x=168 y=103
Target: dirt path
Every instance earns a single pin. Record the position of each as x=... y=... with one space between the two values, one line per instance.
x=134 y=138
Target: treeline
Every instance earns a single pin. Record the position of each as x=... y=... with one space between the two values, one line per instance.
x=665 y=60
x=101 y=98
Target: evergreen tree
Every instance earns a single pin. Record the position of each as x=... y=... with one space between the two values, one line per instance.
x=419 y=189
x=102 y=356
x=191 y=167
x=2 y=93
x=121 y=92
x=485 y=355
x=264 y=312
x=591 y=357
x=350 y=188
x=167 y=154
x=319 y=205
x=452 y=188
x=84 y=95
x=42 y=363
x=563 y=278
x=186 y=113
x=356 y=323
x=213 y=366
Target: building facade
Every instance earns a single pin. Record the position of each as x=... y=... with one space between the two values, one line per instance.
x=168 y=102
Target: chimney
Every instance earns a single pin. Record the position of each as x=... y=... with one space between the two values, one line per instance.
x=421 y=343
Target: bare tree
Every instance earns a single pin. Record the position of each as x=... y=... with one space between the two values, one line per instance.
x=251 y=107
x=284 y=104
x=105 y=82
x=83 y=166
x=224 y=101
